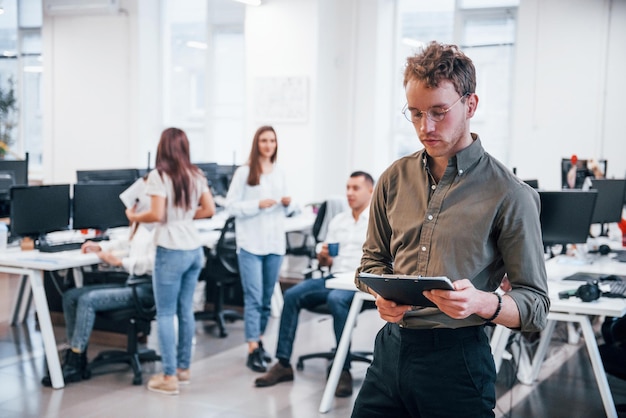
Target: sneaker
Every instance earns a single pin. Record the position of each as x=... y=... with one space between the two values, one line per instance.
x=74 y=368
x=278 y=373
x=184 y=376
x=158 y=383
x=344 y=387
x=256 y=362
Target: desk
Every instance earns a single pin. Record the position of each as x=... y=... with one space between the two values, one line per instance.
x=344 y=281
x=30 y=265
x=572 y=310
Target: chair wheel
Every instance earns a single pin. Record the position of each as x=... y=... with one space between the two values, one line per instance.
x=137 y=380
x=300 y=365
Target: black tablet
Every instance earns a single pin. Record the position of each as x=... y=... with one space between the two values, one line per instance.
x=405 y=290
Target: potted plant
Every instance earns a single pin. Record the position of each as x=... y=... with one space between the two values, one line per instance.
x=8 y=116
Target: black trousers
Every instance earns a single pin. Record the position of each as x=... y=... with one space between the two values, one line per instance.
x=429 y=373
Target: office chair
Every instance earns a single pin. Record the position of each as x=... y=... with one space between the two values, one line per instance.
x=613 y=351
x=306 y=241
x=221 y=271
x=138 y=319
x=364 y=356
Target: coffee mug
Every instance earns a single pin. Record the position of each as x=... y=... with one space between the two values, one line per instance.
x=333 y=249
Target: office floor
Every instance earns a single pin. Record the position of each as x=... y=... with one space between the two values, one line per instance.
x=223 y=387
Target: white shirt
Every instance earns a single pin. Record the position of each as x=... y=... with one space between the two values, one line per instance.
x=137 y=254
x=177 y=231
x=350 y=235
x=258 y=231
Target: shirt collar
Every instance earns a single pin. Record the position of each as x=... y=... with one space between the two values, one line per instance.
x=463 y=159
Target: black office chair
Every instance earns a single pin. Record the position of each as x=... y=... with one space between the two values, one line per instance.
x=221 y=272
x=302 y=243
x=364 y=356
x=613 y=351
x=138 y=319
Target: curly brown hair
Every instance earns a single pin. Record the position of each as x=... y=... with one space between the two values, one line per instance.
x=438 y=62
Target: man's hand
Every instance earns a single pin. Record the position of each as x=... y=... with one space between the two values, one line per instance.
x=109 y=258
x=90 y=247
x=464 y=301
x=389 y=310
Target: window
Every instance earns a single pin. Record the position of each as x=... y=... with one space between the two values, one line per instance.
x=204 y=73
x=485 y=31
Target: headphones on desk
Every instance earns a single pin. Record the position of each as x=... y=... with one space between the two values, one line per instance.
x=586 y=292
x=602 y=249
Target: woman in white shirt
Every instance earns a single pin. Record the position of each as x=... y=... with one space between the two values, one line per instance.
x=258 y=198
x=179 y=193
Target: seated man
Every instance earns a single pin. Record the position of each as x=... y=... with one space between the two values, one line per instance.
x=347 y=228
x=80 y=304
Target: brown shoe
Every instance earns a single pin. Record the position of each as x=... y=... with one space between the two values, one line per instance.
x=276 y=374
x=344 y=387
x=158 y=383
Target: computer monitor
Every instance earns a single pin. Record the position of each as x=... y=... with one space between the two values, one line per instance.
x=224 y=176
x=37 y=210
x=610 y=201
x=534 y=183
x=566 y=216
x=575 y=178
x=98 y=206
x=18 y=169
x=121 y=176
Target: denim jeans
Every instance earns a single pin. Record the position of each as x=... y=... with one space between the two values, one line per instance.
x=175 y=277
x=259 y=274
x=80 y=305
x=308 y=294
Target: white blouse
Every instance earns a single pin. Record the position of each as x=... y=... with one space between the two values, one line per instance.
x=258 y=231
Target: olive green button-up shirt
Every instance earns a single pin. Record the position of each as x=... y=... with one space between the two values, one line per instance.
x=479 y=222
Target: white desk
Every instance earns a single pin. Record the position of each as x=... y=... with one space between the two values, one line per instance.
x=572 y=310
x=344 y=281
x=30 y=265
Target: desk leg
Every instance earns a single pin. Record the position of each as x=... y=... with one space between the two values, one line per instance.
x=542 y=350
x=499 y=339
x=277 y=301
x=21 y=305
x=341 y=353
x=45 y=325
x=598 y=368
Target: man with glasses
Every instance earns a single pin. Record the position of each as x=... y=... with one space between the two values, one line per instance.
x=451 y=210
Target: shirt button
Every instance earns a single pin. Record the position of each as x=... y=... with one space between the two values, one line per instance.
x=423 y=248
x=460 y=171
x=434 y=186
x=430 y=217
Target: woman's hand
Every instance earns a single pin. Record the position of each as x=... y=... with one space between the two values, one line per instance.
x=267 y=203
x=285 y=200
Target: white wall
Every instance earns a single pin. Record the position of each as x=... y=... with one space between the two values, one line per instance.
x=569 y=86
x=103 y=92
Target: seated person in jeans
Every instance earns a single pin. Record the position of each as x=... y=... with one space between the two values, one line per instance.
x=80 y=304
x=348 y=228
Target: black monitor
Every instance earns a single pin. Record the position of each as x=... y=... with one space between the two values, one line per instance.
x=534 y=183
x=610 y=201
x=98 y=206
x=577 y=176
x=37 y=210
x=566 y=216
x=121 y=176
x=223 y=178
x=18 y=170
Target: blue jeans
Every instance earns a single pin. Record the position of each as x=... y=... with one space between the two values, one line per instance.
x=308 y=294
x=259 y=274
x=80 y=305
x=175 y=277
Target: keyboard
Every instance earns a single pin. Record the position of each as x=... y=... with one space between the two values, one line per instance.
x=617 y=289
x=63 y=246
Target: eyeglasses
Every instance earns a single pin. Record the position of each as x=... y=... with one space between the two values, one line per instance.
x=435 y=113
